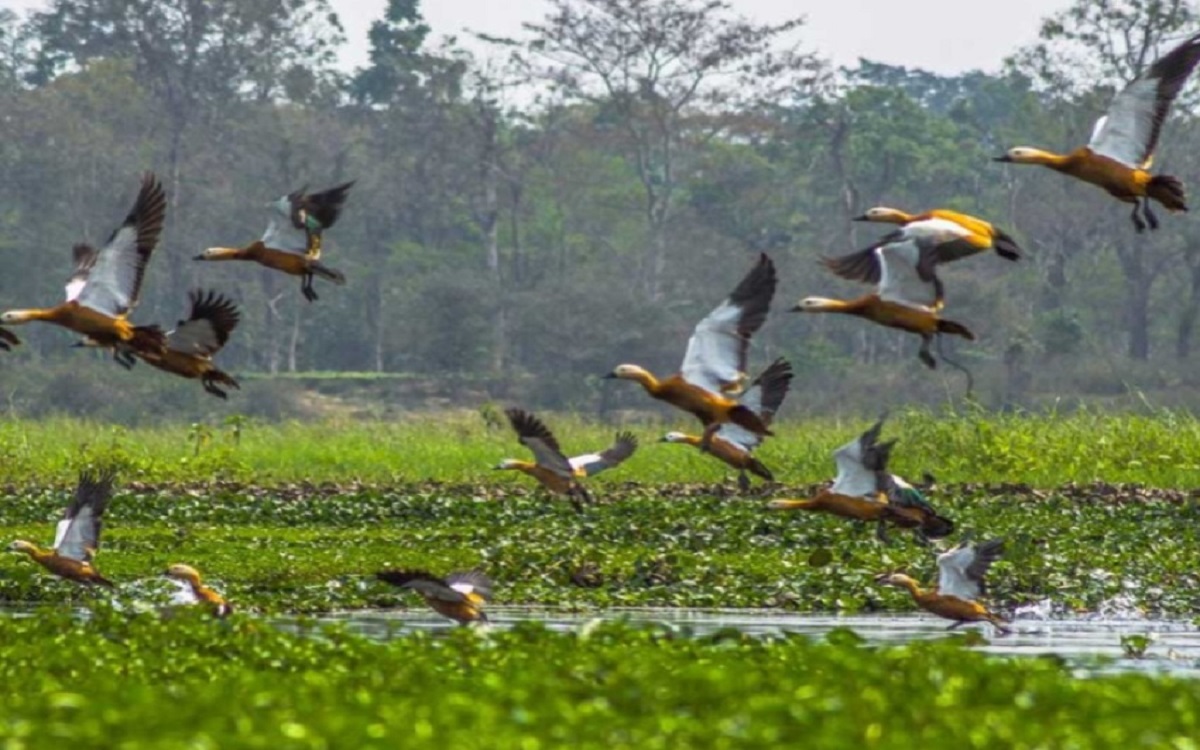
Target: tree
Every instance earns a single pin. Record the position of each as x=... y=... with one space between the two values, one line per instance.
x=660 y=74
x=1097 y=46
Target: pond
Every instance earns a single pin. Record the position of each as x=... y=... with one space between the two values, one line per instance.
x=1080 y=640
x=1090 y=643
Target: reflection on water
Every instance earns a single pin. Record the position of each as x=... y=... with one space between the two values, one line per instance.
x=1037 y=630
x=1175 y=647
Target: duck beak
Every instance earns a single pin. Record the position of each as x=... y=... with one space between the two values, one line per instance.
x=860 y=217
x=1006 y=158
x=609 y=376
x=795 y=308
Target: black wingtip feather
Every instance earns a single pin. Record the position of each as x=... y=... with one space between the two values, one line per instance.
x=754 y=294
x=528 y=426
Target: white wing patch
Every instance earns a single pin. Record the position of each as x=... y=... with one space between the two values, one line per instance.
x=281 y=235
x=935 y=230
x=952 y=573
x=110 y=285
x=74 y=287
x=898 y=279
x=853 y=479
x=77 y=542
x=463 y=587
x=1124 y=134
x=60 y=532
x=714 y=351
x=183 y=595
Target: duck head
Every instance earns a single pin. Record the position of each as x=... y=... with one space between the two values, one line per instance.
x=884 y=214
x=218 y=253
x=181 y=572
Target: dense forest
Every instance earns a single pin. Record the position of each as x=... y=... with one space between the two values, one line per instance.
x=522 y=223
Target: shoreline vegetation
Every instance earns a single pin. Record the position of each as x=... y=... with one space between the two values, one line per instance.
x=296 y=518
x=1161 y=449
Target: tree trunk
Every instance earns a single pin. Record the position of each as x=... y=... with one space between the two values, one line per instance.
x=1138 y=282
x=294 y=343
x=1187 y=317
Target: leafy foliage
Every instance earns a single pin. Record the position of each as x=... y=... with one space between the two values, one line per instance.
x=188 y=682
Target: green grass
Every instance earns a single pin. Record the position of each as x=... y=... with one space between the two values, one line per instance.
x=193 y=683
x=1162 y=450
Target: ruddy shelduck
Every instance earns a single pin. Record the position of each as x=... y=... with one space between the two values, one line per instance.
x=733 y=444
x=192 y=592
x=941 y=236
x=191 y=346
x=1118 y=157
x=864 y=490
x=106 y=284
x=902 y=299
x=294 y=236
x=963 y=234
x=714 y=366
x=960 y=587
x=459 y=596
x=551 y=467
x=77 y=536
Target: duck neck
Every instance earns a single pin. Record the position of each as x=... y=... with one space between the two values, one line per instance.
x=15 y=317
x=913 y=587
x=828 y=305
x=1046 y=159
x=648 y=381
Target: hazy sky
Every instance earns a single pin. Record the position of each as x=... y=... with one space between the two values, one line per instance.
x=946 y=36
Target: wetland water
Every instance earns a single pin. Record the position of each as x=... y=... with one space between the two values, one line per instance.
x=1079 y=640
x=1089 y=643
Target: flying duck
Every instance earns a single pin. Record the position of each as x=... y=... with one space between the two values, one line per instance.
x=864 y=490
x=714 y=366
x=459 y=596
x=292 y=242
x=948 y=236
x=905 y=297
x=191 y=592
x=960 y=584
x=191 y=346
x=106 y=283
x=733 y=444
x=551 y=467
x=77 y=536
x=1121 y=150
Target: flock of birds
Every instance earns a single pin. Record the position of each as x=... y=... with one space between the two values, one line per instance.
x=712 y=381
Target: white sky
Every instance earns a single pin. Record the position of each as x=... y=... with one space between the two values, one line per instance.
x=945 y=36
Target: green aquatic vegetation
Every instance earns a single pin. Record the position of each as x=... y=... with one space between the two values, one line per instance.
x=313 y=549
x=190 y=682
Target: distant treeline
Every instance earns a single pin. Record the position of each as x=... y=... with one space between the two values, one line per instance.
x=586 y=201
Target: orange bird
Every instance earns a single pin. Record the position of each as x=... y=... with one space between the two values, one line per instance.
x=551 y=467
x=459 y=596
x=864 y=490
x=191 y=346
x=1117 y=159
x=960 y=585
x=942 y=236
x=904 y=298
x=191 y=592
x=292 y=242
x=107 y=283
x=714 y=367
x=733 y=444
x=77 y=536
